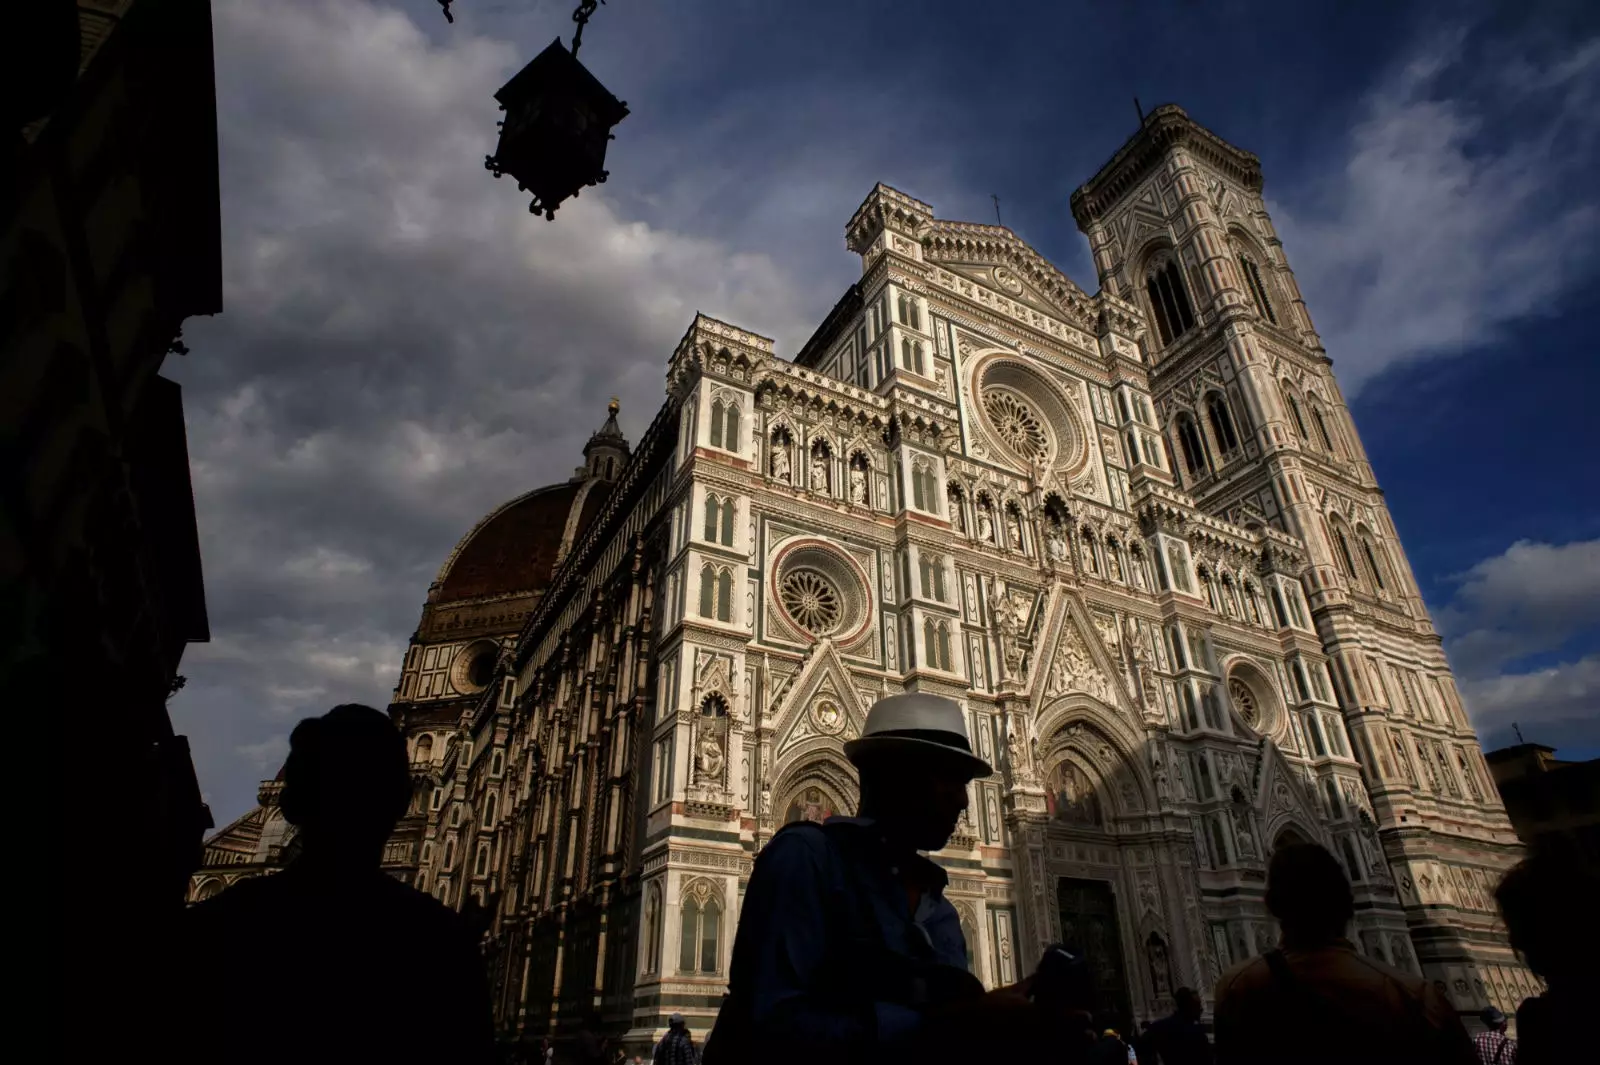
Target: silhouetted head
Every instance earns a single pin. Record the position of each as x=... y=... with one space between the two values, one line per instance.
x=1493 y=1019
x=676 y=1022
x=1548 y=901
x=1190 y=1008
x=915 y=761
x=1308 y=893
x=346 y=782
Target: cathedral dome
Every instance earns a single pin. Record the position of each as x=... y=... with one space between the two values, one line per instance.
x=515 y=547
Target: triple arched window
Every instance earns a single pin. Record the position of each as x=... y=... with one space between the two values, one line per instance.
x=719 y=520
x=1169 y=301
x=725 y=424
x=716 y=592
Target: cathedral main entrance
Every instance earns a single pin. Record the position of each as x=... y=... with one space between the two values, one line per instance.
x=1089 y=927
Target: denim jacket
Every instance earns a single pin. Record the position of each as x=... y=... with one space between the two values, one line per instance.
x=829 y=962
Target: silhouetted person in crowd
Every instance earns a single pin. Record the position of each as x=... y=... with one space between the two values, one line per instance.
x=1110 y=1048
x=333 y=960
x=1495 y=1047
x=1179 y=1039
x=847 y=949
x=1548 y=901
x=593 y=1046
x=677 y=1046
x=1314 y=999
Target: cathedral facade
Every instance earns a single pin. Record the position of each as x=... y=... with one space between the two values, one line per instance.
x=1133 y=533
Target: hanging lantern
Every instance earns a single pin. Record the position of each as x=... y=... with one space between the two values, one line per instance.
x=558 y=121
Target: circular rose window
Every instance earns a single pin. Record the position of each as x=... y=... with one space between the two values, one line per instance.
x=1016 y=423
x=1244 y=701
x=811 y=600
x=821 y=592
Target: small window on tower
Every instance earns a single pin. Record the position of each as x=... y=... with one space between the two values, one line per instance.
x=1252 y=278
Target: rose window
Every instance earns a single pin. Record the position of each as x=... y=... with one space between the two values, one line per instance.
x=1244 y=700
x=811 y=600
x=1017 y=424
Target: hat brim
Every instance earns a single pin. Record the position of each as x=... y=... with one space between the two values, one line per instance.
x=917 y=748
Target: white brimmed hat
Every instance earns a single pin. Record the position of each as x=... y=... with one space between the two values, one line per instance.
x=914 y=723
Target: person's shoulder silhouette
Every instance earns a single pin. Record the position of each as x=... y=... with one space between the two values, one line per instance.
x=330 y=957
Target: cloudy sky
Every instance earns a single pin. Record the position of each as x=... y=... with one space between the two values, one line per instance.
x=404 y=346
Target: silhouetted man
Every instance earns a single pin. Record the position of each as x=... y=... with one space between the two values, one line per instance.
x=332 y=959
x=1314 y=999
x=847 y=949
x=1179 y=1039
x=1548 y=901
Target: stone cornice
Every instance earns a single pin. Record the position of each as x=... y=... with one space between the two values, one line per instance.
x=886 y=208
x=1165 y=128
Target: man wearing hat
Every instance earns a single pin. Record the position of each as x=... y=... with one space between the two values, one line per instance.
x=1494 y=1046
x=847 y=949
x=675 y=1048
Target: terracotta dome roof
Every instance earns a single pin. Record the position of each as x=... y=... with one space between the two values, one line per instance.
x=515 y=547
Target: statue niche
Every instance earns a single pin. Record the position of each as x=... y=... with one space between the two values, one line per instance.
x=1070 y=798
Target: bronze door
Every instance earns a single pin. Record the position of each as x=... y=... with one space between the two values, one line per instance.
x=1089 y=927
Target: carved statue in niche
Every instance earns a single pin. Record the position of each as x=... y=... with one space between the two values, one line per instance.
x=780 y=459
x=709 y=758
x=766 y=800
x=1070 y=798
x=1014 y=527
x=1089 y=563
x=858 y=485
x=810 y=805
x=1113 y=562
x=1158 y=773
x=1136 y=565
x=1055 y=544
x=958 y=514
x=819 y=470
x=1008 y=609
x=985 y=521
x=1242 y=836
x=1160 y=966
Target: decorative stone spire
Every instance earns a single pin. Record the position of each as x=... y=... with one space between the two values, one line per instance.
x=607 y=451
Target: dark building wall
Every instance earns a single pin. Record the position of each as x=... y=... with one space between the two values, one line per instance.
x=1551 y=802
x=109 y=239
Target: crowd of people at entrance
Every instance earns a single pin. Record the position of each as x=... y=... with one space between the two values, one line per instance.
x=847 y=950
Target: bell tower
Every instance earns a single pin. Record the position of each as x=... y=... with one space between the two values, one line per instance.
x=1259 y=433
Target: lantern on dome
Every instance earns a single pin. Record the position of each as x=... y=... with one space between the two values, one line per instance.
x=558 y=122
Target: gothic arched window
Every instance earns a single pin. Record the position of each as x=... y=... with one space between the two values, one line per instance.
x=725 y=595
x=1322 y=431
x=716 y=593
x=1346 y=560
x=1294 y=411
x=491 y=803
x=931 y=571
x=911 y=356
x=1194 y=449
x=1169 y=300
x=724 y=425
x=480 y=867
x=1221 y=422
x=424 y=748
x=1252 y=278
x=1373 y=565
x=701 y=934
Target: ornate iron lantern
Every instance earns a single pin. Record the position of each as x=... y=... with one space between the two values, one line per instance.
x=558 y=122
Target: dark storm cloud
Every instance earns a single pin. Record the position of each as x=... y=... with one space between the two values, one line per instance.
x=403 y=348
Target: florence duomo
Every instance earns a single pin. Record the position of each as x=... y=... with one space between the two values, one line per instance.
x=1133 y=532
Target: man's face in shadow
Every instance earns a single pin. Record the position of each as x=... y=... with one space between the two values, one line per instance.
x=918 y=797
